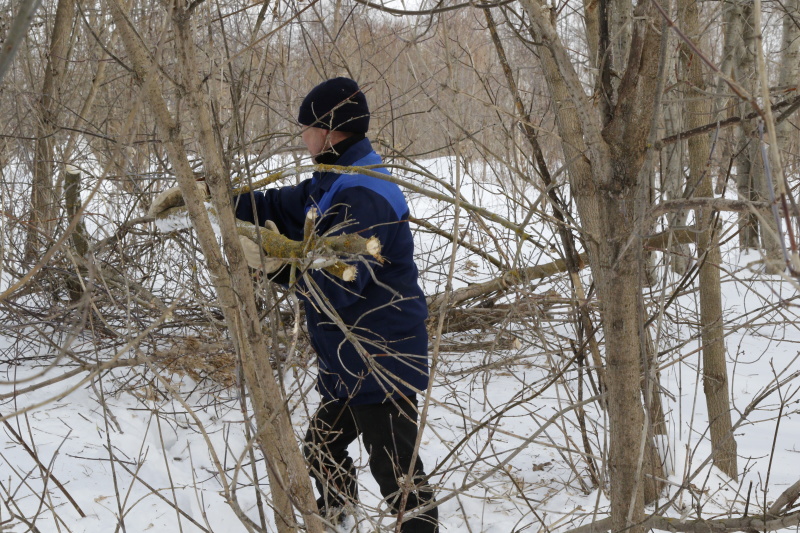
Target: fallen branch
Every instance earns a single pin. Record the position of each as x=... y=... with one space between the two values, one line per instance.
x=509 y=279
x=520 y=276
x=95 y=369
x=500 y=343
x=281 y=247
x=785 y=500
x=763 y=522
x=278 y=246
x=720 y=525
x=488 y=315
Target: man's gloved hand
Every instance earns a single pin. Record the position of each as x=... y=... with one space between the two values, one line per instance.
x=173 y=198
x=252 y=252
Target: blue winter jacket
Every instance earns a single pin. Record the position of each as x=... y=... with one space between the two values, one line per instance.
x=384 y=308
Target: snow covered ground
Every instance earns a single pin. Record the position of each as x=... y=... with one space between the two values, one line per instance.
x=132 y=452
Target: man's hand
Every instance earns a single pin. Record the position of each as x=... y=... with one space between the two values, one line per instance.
x=252 y=252
x=173 y=198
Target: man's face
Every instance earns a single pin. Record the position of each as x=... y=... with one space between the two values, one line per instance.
x=315 y=140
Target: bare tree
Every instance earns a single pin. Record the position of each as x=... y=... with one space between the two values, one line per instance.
x=789 y=72
x=44 y=203
x=607 y=152
x=715 y=372
x=291 y=487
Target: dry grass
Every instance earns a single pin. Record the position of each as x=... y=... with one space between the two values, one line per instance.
x=201 y=360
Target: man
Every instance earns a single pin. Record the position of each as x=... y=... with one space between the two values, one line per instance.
x=370 y=371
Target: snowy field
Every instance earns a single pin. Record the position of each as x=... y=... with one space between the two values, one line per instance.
x=129 y=451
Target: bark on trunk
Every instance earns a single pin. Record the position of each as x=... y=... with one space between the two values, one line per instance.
x=715 y=373
x=749 y=166
x=724 y=107
x=771 y=172
x=673 y=180
x=627 y=429
x=789 y=75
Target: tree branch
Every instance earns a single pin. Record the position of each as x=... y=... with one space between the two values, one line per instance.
x=370 y=170
x=791 y=106
x=16 y=34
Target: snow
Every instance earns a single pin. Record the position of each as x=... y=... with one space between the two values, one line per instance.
x=176 y=469
x=175 y=221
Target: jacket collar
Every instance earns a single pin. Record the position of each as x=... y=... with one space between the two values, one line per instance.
x=332 y=155
x=355 y=153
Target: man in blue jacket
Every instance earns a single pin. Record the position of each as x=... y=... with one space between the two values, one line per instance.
x=370 y=371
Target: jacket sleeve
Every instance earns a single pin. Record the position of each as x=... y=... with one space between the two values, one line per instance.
x=285 y=206
x=362 y=211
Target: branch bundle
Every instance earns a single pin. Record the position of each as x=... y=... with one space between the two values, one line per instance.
x=315 y=252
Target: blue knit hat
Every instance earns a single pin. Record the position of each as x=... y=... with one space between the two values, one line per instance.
x=336 y=104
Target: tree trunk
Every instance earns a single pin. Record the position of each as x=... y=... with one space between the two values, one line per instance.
x=715 y=373
x=87 y=112
x=615 y=274
x=673 y=180
x=732 y=27
x=44 y=203
x=591 y=19
x=288 y=475
x=789 y=76
x=749 y=166
x=769 y=182
x=79 y=241
x=789 y=81
x=289 y=480
x=620 y=32
x=755 y=233
x=605 y=156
